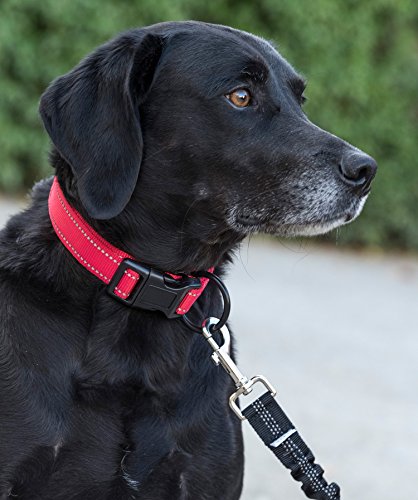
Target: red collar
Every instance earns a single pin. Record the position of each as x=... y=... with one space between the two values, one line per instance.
x=132 y=283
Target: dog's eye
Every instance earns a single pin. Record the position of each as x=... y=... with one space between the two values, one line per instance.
x=241 y=98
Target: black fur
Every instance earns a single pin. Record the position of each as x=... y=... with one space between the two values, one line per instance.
x=98 y=401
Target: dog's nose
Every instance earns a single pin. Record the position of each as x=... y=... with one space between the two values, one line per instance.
x=358 y=169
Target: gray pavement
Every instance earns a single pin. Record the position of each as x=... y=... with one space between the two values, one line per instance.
x=336 y=332
x=9 y=206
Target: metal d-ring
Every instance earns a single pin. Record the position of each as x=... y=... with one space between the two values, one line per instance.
x=226 y=300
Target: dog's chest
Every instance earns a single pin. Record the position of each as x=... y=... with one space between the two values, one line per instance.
x=134 y=413
x=138 y=442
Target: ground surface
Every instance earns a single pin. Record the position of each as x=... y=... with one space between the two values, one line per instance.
x=336 y=333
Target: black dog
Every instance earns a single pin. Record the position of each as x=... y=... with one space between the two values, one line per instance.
x=174 y=142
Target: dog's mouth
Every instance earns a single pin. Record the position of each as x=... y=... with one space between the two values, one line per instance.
x=256 y=223
x=247 y=225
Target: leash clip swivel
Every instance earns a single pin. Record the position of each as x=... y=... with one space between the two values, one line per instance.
x=221 y=356
x=269 y=421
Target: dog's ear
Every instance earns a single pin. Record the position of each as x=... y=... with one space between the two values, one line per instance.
x=92 y=117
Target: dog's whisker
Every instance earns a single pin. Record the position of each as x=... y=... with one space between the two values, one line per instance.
x=182 y=232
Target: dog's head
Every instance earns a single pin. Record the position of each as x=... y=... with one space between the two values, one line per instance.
x=201 y=127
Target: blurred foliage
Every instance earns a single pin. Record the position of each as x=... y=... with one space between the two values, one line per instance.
x=361 y=59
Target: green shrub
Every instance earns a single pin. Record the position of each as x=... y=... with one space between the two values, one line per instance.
x=361 y=59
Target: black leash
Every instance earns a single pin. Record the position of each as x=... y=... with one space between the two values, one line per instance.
x=265 y=415
x=279 y=435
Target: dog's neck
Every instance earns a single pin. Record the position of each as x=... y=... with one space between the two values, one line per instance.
x=186 y=240
x=183 y=242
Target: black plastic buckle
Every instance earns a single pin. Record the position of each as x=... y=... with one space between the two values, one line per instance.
x=155 y=291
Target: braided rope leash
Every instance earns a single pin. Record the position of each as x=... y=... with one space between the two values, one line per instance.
x=271 y=423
